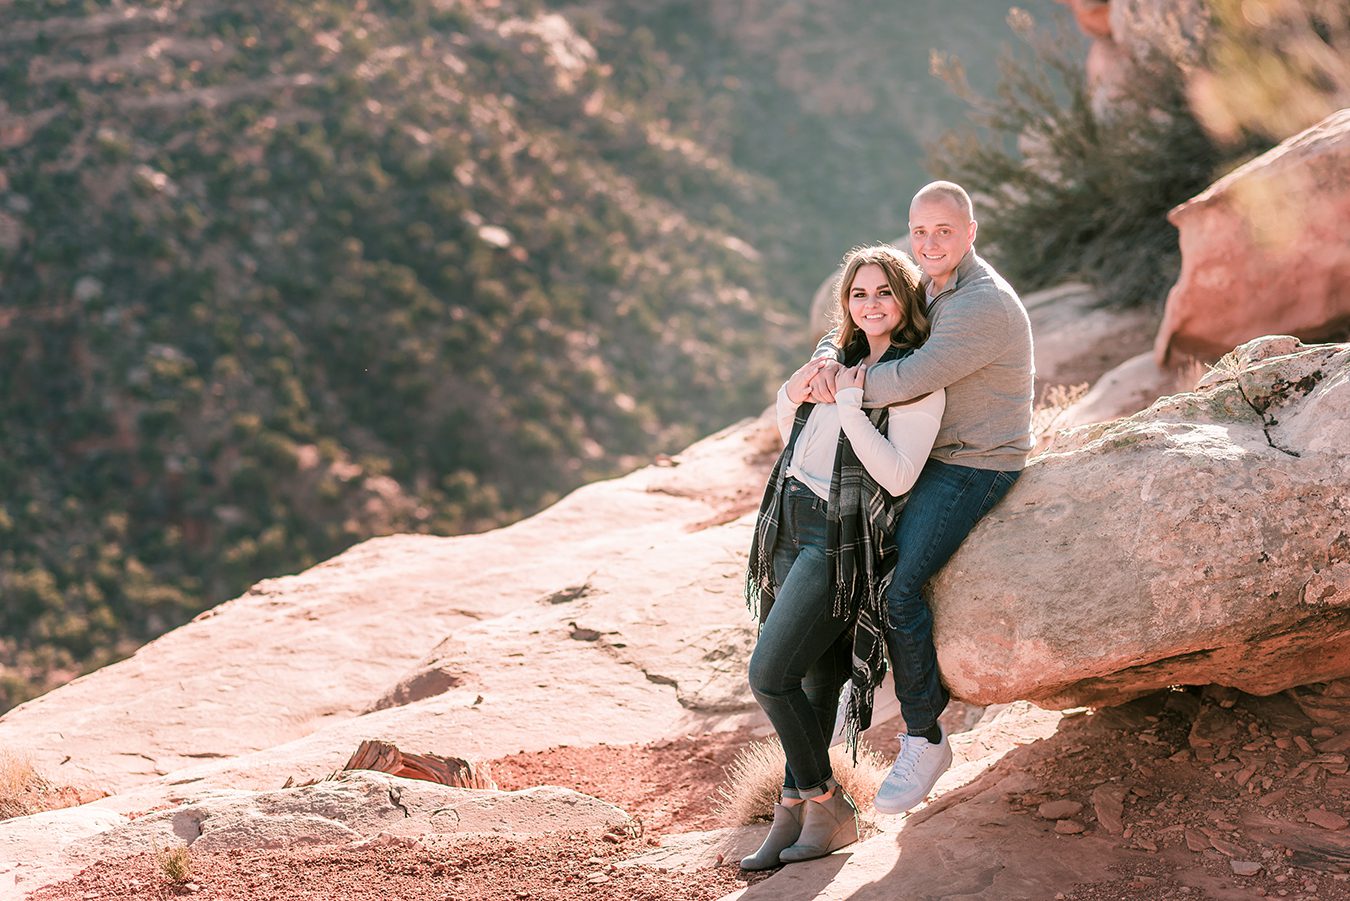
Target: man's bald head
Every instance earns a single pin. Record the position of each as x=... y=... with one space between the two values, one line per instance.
x=949 y=192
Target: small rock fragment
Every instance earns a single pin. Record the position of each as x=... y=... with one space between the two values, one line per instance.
x=1335 y=742
x=1196 y=840
x=1326 y=819
x=1244 y=867
x=1068 y=827
x=1274 y=797
x=1058 y=810
x=1108 y=803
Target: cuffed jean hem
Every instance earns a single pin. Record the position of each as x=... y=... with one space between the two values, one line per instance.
x=824 y=788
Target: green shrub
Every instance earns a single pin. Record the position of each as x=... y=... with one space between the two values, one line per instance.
x=1066 y=191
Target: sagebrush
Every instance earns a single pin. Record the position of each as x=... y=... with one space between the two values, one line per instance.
x=1072 y=189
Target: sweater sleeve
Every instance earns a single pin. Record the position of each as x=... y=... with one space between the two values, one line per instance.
x=826 y=347
x=972 y=331
x=785 y=412
x=896 y=459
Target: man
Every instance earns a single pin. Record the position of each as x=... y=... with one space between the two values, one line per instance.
x=980 y=352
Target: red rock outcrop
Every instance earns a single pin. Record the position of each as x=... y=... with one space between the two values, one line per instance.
x=1092 y=16
x=1126 y=33
x=1264 y=249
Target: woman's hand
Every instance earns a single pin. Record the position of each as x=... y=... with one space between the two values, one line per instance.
x=822 y=383
x=852 y=377
x=799 y=383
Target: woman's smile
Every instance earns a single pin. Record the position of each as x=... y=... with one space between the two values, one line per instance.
x=871 y=302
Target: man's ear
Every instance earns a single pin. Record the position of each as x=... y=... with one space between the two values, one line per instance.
x=974 y=227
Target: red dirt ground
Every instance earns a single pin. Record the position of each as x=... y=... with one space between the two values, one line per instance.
x=667 y=786
x=1209 y=780
x=552 y=869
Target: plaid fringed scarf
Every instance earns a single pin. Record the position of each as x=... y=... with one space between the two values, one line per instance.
x=860 y=544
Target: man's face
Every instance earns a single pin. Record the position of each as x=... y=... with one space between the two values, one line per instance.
x=939 y=236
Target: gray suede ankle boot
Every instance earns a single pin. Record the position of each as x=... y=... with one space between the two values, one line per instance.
x=826 y=826
x=787 y=825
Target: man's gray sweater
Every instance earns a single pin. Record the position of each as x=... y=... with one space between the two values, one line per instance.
x=980 y=351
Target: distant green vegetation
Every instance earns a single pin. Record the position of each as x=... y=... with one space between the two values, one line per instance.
x=278 y=278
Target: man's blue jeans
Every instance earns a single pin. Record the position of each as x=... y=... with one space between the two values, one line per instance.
x=944 y=505
x=799 y=664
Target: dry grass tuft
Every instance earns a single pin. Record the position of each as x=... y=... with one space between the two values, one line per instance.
x=175 y=863
x=24 y=791
x=21 y=788
x=755 y=779
x=1188 y=375
x=1054 y=402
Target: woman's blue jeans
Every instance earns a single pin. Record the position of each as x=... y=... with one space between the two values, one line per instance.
x=944 y=505
x=799 y=664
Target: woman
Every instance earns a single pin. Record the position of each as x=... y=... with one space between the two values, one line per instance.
x=823 y=548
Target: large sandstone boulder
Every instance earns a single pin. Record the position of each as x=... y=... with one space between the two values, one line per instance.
x=1264 y=249
x=1204 y=540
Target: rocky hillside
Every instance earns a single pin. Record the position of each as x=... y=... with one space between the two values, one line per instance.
x=277 y=278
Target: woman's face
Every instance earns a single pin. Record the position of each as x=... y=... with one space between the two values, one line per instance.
x=871 y=305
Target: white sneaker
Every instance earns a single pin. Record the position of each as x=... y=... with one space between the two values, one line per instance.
x=912 y=776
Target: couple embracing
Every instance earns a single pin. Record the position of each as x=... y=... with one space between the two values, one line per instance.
x=911 y=421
